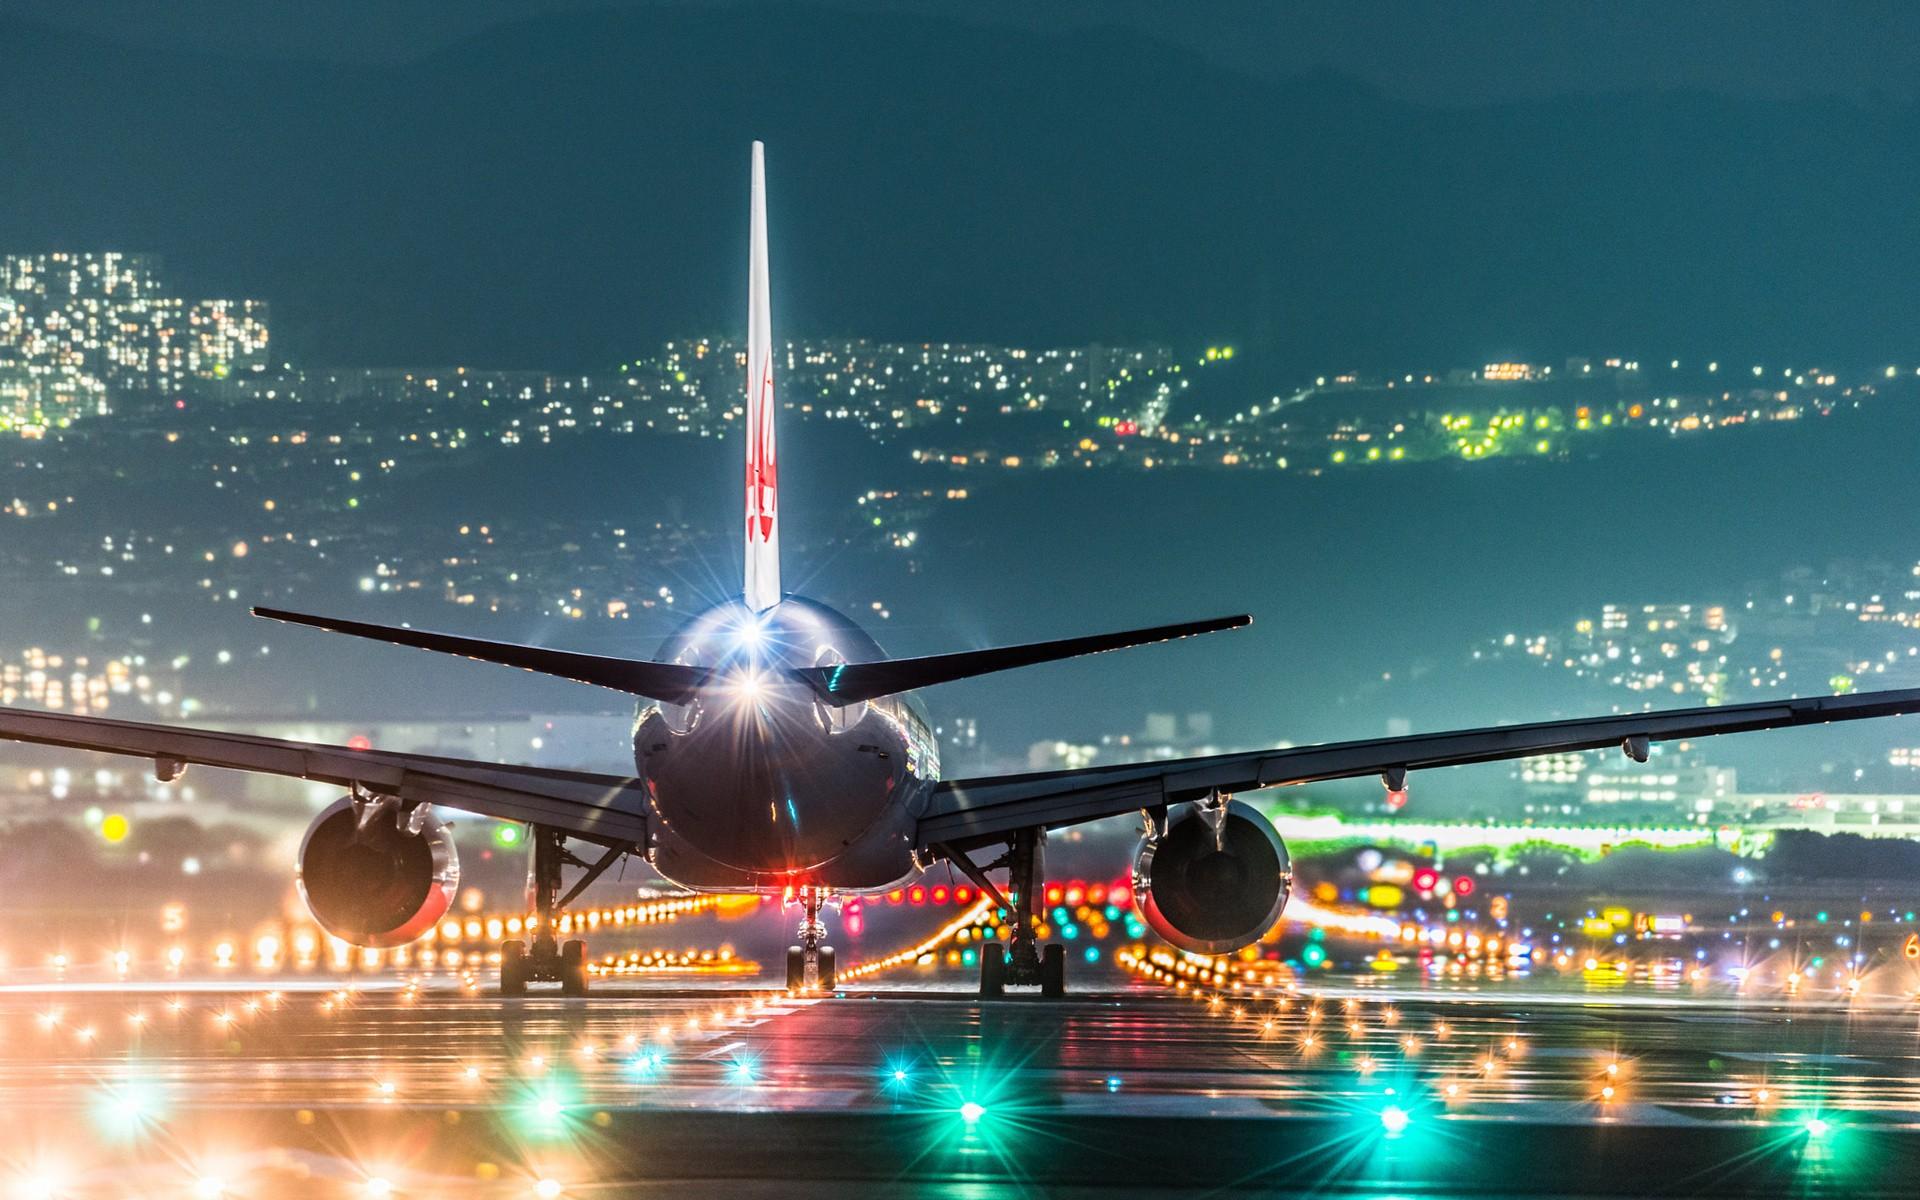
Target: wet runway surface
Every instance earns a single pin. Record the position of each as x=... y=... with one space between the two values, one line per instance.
x=440 y=1091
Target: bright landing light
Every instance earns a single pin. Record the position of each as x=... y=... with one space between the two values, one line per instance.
x=1816 y=1127
x=971 y=1112
x=1394 y=1119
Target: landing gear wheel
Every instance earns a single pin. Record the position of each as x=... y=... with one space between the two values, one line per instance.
x=825 y=970
x=796 y=969
x=573 y=968
x=513 y=968
x=993 y=969
x=1053 y=971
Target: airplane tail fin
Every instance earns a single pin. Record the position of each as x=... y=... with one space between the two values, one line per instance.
x=763 y=480
x=674 y=683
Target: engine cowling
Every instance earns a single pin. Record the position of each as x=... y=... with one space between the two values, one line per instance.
x=381 y=884
x=1208 y=898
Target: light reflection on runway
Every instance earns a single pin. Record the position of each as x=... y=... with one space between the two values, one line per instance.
x=278 y=1070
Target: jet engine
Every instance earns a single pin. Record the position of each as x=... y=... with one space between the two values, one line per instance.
x=375 y=874
x=1212 y=886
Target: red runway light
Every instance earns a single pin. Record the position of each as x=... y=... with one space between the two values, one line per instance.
x=917 y=895
x=940 y=895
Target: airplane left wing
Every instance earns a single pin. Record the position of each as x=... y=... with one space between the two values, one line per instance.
x=607 y=809
x=967 y=813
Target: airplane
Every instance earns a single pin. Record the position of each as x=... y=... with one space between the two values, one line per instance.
x=778 y=750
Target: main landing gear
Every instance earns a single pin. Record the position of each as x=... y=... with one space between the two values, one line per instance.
x=549 y=960
x=810 y=964
x=1019 y=963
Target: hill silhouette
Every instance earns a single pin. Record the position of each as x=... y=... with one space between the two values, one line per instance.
x=568 y=192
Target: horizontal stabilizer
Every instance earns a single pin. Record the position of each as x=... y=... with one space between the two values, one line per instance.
x=850 y=683
x=673 y=683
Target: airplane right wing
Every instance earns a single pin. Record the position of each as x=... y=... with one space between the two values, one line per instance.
x=968 y=813
x=607 y=809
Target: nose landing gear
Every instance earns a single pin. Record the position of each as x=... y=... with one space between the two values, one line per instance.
x=810 y=964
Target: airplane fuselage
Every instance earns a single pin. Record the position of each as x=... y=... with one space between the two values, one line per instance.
x=757 y=783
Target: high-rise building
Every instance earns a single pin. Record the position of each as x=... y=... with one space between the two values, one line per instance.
x=78 y=329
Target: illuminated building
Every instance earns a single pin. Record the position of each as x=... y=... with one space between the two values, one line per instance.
x=1573 y=784
x=1509 y=372
x=77 y=328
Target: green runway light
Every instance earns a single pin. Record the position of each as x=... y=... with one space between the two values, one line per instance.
x=506 y=835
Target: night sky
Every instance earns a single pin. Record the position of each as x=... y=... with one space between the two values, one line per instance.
x=1413 y=186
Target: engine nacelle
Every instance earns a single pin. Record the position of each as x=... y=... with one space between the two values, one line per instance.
x=378 y=883
x=1208 y=897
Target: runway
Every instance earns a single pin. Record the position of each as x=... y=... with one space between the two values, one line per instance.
x=434 y=1091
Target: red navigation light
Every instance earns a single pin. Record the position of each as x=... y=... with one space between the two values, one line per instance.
x=1425 y=878
x=359 y=741
x=940 y=895
x=917 y=895
x=1463 y=886
x=1396 y=800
